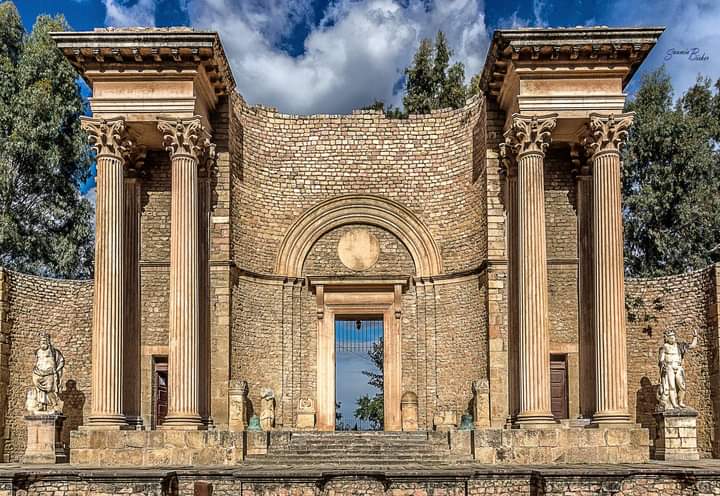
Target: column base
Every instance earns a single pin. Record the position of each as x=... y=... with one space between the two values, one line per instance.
x=111 y=422
x=534 y=421
x=183 y=422
x=613 y=418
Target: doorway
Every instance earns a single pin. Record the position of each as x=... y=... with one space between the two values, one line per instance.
x=559 y=386
x=359 y=378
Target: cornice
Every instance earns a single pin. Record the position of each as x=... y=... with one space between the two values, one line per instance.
x=143 y=49
x=573 y=46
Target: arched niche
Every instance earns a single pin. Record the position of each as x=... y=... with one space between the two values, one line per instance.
x=358 y=209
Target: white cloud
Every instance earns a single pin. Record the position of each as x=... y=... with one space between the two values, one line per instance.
x=690 y=24
x=120 y=13
x=538 y=8
x=354 y=55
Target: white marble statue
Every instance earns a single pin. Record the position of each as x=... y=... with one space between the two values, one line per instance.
x=44 y=397
x=672 y=375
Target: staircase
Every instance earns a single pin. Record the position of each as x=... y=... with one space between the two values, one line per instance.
x=337 y=450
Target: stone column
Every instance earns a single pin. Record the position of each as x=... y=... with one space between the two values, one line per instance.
x=586 y=334
x=109 y=141
x=606 y=135
x=511 y=236
x=131 y=347
x=186 y=140
x=529 y=137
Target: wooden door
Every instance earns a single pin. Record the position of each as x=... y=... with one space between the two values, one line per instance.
x=161 y=392
x=559 y=386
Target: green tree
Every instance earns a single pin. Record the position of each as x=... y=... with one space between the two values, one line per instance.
x=45 y=224
x=420 y=83
x=671 y=178
x=370 y=407
x=430 y=82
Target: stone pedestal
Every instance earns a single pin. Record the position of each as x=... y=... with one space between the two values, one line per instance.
x=306 y=415
x=44 y=439
x=676 y=435
x=256 y=442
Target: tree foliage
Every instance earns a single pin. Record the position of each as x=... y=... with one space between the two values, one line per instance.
x=671 y=178
x=370 y=407
x=430 y=81
x=45 y=224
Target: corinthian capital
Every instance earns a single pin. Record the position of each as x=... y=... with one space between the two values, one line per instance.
x=529 y=134
x=107 y=137
x=184 y=137
x=607 y=132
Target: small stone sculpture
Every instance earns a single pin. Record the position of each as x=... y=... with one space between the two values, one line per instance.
x=409 y=411
x=267 y=409
x=43 y=398
x=306 y=414
x=481 y=403
x=445 y=420
x=671 y=393
x=239 y=406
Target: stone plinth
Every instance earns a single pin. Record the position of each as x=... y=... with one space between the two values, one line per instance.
x=155 y=448
x=624 y=443
x=44 y=443
x=676 y=435
x=257 y=442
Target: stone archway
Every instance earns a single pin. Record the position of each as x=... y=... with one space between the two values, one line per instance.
x=359 y=209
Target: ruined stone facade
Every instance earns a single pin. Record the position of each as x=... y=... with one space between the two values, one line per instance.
x=490 y=245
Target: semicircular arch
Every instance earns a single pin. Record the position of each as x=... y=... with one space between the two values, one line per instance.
x=358 y=209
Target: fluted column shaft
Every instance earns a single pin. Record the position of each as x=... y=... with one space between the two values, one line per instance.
x=611 y=371
x=183 y=366
x=586 y=290
x=529 y=137
x=608 y=133
x=534 y=332
x=512 y=287
x=108 y=140
x=185 y=140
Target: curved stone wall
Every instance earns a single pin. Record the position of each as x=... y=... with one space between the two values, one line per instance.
x=62 y=308
x=288 y=164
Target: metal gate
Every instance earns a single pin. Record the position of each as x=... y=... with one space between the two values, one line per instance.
x=358 y=367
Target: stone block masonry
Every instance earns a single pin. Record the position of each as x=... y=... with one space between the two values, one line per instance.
x=529 y=481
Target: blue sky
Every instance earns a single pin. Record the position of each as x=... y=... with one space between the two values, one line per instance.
x=322 y=56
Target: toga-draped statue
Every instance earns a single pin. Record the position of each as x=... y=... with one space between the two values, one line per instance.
x=672 y=374
x=43 y=398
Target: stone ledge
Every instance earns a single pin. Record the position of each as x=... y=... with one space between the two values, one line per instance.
x=156 y=448
x=622 y=444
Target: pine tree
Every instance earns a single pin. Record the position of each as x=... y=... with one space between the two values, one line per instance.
x=454 y=93
x=440 y=68
x=419 y=86
x=45 y=224
x=671 y=178
x=434 y=85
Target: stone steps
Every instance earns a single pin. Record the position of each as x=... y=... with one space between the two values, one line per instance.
x=377 y=449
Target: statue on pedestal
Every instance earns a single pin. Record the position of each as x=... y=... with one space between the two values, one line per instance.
x=44 y=397
x=671 y=393
x=267 y=409
x=44 y=407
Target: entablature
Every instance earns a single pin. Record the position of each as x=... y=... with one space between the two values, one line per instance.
x=571 y=72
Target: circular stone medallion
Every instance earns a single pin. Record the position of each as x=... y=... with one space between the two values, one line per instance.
x=358 y=249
